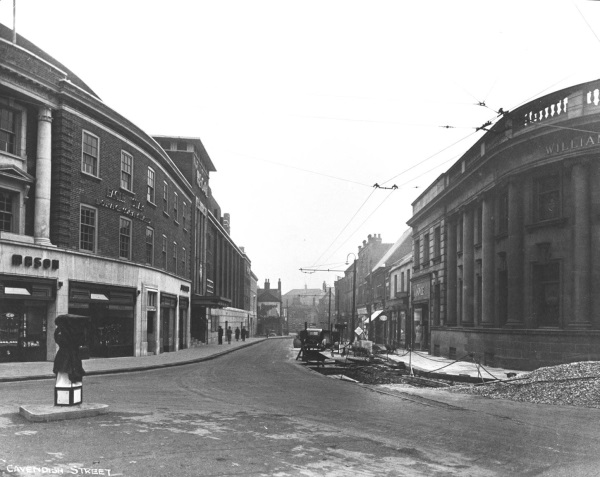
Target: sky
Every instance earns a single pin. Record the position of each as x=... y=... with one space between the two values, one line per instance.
x=304 y=105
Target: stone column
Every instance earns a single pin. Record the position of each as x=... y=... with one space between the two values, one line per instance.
x=468 y=269
x=43 y=176
x=451 y=277
x=515 y=254
x=581 y=246
x=487 y=265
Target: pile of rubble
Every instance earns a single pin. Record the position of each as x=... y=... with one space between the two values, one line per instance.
x=574 y=384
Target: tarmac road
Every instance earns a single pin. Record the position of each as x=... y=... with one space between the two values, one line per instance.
x=256 y=411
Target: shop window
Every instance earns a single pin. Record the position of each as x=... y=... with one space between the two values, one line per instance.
x=125 y=238
x=87 y=229
x=149 y=246
x=151 y=186
x=547 y=198
x=126 y=170
x=90 y=154
x=8 y=211
x=546 y=293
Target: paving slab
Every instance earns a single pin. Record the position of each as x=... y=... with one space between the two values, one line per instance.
x=47 y=413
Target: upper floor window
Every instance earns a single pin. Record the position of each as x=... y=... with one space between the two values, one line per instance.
x=417 y=253
x=437 y=242
x=125 y=238
x=8 y=212
x=126 y=170
x=182 y=146
x=426 y=250
x=151 y=188
x=174 y=257
x=149 y=246
x=165 y=198
x=547 y=197
x=184 y=215
x=478 y=225
x=87 y=228
x=175 y=206
x=164 y=251
x=183 y=261
x=8 y=130
x=90 y=154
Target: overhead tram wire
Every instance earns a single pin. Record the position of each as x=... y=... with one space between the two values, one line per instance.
x=345 y=227
x=364 y=221
x=299 y=169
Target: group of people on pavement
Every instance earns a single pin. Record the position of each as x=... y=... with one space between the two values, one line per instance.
x=229 y=333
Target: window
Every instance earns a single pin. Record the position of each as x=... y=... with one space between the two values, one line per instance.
x=150 y=191
x=417 y=257
x=8 y=216
x=166 y=198
x=149 y=246
x=459 y=235
x=8 y=130
x=183 y=261
x=182 y=146
x=547 y=200
x=546 y=293
x=87 y=229
x=174 y=257
x=402 y=281
x=166 y=145
x=426 y=250
x=175 y=206
x=89 y=160
x=164 y=251
x=184 y=215
x=125 y=238
x=437 y=242
x=126 y=170
x=395 y=285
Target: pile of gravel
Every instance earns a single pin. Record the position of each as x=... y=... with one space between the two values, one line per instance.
x=573 y=384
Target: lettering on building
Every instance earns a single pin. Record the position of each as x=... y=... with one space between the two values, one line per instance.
x=35 y=262
x=133 y=209
x=578 y=142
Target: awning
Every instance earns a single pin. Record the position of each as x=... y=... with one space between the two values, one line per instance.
x=16 y=291
x=375 y=315
x=210 y=301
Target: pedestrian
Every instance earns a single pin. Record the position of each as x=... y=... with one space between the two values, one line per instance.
x=237 y=333
x=243 y=334
x=220 y=333
x=229 y=333
x=418 y=336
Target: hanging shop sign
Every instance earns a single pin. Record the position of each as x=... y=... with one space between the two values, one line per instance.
x=124 y=204
x=421 y=290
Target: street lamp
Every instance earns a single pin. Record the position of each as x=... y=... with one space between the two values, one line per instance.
x=353 y=292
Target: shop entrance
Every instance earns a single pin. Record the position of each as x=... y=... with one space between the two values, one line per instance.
x=22 y=331
x=168 y=307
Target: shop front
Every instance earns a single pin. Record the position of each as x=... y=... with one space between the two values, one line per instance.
x=112 y=313
x=420 y=324
x=24 y=317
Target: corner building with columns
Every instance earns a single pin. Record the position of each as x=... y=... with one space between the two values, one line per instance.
x=93 y=218
x=506 y=243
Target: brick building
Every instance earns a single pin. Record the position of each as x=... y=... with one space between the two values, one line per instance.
x=96 y=219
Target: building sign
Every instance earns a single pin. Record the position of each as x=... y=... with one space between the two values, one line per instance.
x=420 y=290
x=362 y=311
x=578 y=142
x=35 y=262
x=124 y=204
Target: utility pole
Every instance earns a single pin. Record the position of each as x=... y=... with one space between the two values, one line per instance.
x=353 y=298
x=330 y=312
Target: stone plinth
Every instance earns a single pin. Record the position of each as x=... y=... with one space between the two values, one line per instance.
x=46 y=413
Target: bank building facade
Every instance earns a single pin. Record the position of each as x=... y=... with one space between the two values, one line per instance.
x=506 y=243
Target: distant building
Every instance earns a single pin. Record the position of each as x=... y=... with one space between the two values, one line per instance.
x=270 y=310
x=307 y=306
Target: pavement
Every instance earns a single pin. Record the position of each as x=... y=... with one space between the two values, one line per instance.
x=419 y=361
